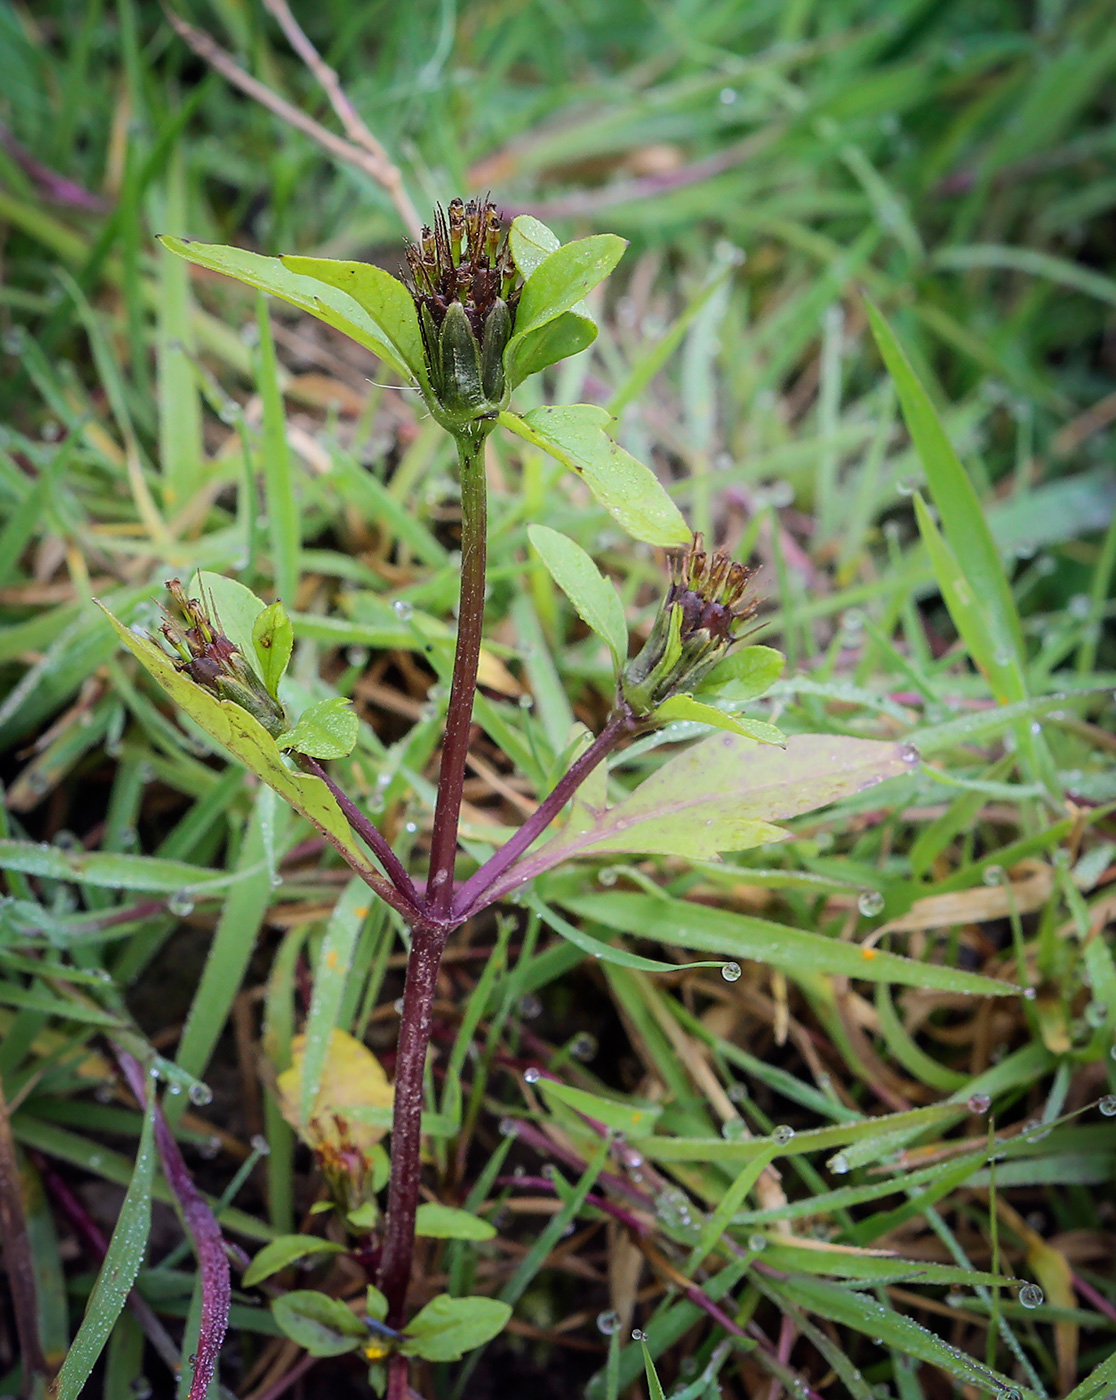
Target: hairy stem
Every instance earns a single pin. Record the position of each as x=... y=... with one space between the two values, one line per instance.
x=427 y=942
x=470 y=896
x=459 y=716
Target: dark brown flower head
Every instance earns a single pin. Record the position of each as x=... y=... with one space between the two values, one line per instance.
x=466 y=290
x=699 y=619
x=210 y=659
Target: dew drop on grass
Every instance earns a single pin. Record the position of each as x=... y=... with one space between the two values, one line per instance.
x=638 y=1335
x=730 y=971
x=734 y=1130
x=403 y=610
x=260 y=1145
x=531 y=1075
x=1031 y=1295
x=141 y=1388
x=1107 y=1105
x=607 y=876
x=608 y=1322
x=530 y=1006
x=200 y=1094
x=509 y=1127
x=584 y=1047
x=757 y=1243
x=993 y=875
x=979 y=1103
x=909 y=755
x=180 y=903
x=838 y=1164
x=870 y=903
x=782 y=1134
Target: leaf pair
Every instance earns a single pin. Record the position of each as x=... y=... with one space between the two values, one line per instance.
x=443 y=1330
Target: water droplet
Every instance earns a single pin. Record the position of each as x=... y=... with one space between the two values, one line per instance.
x=584 y=1047
x=608 y=1322
x=260 y=1145
x=142 y=1388
x=1079 y=606
x=357 y=656
x=180 y=903
x=209 y=1148
x=526 y=702
x=757 y=1243
x=730 y=971
x=638 y=1335
x=1096 y=1013
x=403 y=609
x=738 y=1093
x=199 y=1094
x=852 y=620
x=734 y=1130
x=993 y=875
x=838 y=1164
x=1107 y=1105
x=727 y=96
x=1029 y=994
x=907 y=485
x=782 y=1134
x=531 y=1075
x=410 y=827
x=870 y=903
x=979 y=1103
x=509 y=1127
x=909 y=755
x=1031 y=1295
x=530 y=1006
x=607 y=876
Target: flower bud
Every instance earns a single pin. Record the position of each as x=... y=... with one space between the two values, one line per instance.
x=466 y=291
x=210 y=659
x=697 y=623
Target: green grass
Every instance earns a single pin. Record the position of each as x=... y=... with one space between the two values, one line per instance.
x=938 y=554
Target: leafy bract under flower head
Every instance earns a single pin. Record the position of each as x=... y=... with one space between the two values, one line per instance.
x=701 y=616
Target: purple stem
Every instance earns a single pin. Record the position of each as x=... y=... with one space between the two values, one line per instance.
x=459 y=713
x=373 y=838
x=469 y=897
x=200 y=1222
x=427 y=942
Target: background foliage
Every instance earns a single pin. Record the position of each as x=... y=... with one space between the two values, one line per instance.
x=770 y=163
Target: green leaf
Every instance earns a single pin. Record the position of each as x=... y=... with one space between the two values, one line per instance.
x=386 y=300
x=531 y=243
x=566 y=335
x=123 y=1260
x=595 y=599
x=750 y=672
x=654 y=1385
x=681 y=924
x=448 y=1327
x=247 y=740
x=328 y=729
x=631 y=493
x=278 y=1253
x=555 y=288
x=563 y=277
x=625 y=1117
x=685 y=707
x=272 y=642
x=323 y=1326
x=439 y=1222
x=231 y=606
x=723 y=793
x=335 y=308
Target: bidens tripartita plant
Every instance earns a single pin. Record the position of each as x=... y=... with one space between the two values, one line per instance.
x=483 y=309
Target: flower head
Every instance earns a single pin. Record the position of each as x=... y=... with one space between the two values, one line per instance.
x=466 y=289
x=697 y=622
x=208 y=657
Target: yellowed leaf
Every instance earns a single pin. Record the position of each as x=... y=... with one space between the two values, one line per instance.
x=352 y=1079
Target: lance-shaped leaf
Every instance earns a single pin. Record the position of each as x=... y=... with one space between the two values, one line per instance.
x=247 y=740
x=724 y=793
x=575 y=329
x=336 y=308
x=273 y=642
x=595 y=599
x=386 y=300
x=746 y=674
x=448 y=1327
x=631 y=493
x=556 y=286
